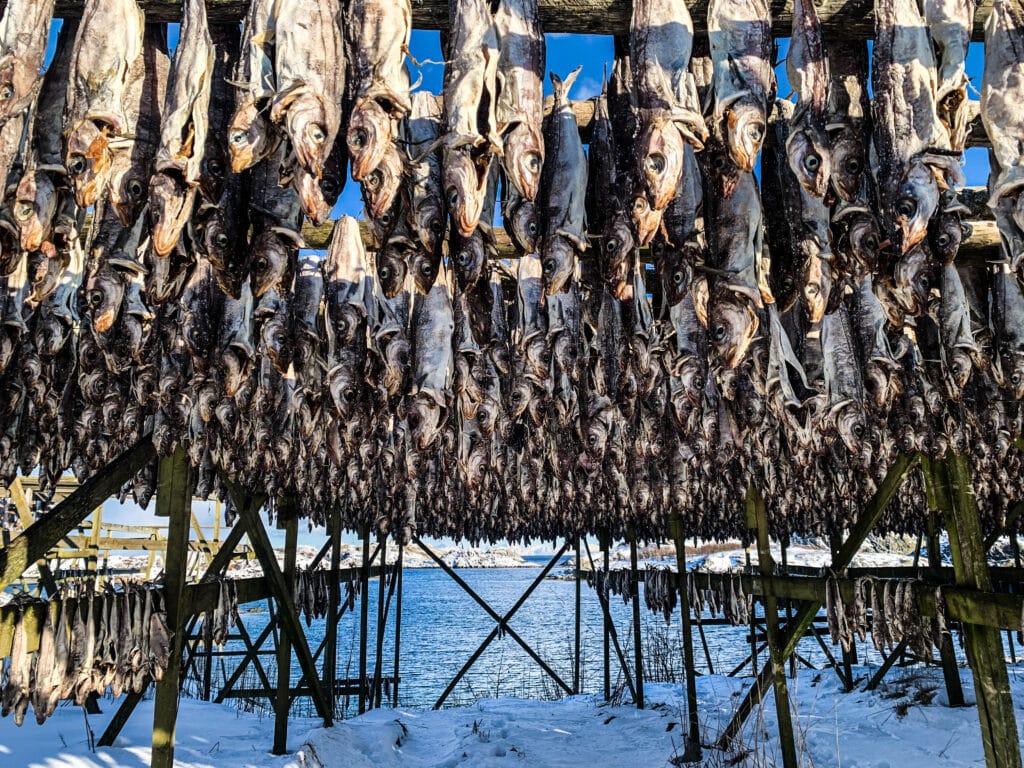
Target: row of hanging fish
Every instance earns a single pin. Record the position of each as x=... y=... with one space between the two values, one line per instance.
x=802 y=338
x=313 y=589
x=722 y=596
x=660 y=591
x=83 y=643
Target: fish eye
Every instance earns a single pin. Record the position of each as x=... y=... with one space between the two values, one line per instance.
x=342 y=327
x=718 y=162
x=592 y=440
x=77 y=164
x=384 y=272
x=435 y=227
x=532 y=228
x=611 y=245
x=853 y=165
x=373 y=180
x=426 y=269
x=698 y=382
x=135 y=190
x=220 y=240
x=925 y=282
x=871 y=242
x=678 y=277
x=812 y=291
x=214 y=166
x=262 y=263
x=858 y=431
x=906 y=208
x=357 y=138
x=349 y=394
x=453 y=197
x=23 y=211
x=655 y=163
x=718 y=332
x=755 y=131
x=812 y=162
x=316 y=133
x=943 y=240
x=328 y=187
x=639 y=204
x=549 y=267
x=385 y=219
x=7 y=92
x=462 y=258
x=95 y=297
x=533 y=161
x=238 y=138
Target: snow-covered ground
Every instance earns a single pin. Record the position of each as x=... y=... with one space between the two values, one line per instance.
x=904 y=723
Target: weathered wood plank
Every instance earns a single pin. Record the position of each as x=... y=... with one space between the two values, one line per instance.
x=40 y=537
x=850 y=19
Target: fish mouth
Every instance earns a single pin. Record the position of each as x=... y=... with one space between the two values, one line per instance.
x=731 y=342
x=251 y=137
x=557 y=263
x=307 y=125
x=368 y=137
x=912 y=231
x=745 y=131
x=646 y=220
x=311 y=197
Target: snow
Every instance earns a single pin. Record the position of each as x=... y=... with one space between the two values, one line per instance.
x=904 y=723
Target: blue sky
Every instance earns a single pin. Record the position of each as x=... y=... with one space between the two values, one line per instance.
x=564 y=53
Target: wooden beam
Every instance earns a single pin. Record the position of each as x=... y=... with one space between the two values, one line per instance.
x=692 y=750
x=279 y=589
x=638 y=648
x=174 y=501
x=39 y=538
x=841 y=19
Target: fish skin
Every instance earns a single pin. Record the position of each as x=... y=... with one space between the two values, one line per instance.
x=96 y=108
x=880 y=363
x=848 y=116
x=683 y=246
x=376 y=40
x=661 y=41
x=24 y=32
x=807 y=66
x=216 y=163
x=251 y=135
x=433 y=325
x=563 y=191
x=844 y=387
x=519 y=111
x=950 y=24
x=179 y=157
x=1002 y=86
x=426 y=202
x=742 y=52
x=1008 y=329
x=957 y=336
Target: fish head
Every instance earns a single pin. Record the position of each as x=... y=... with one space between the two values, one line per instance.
x=311 y=196
x=426 y=419
x=225 y=248
x=646 y=220
x=817 y=283
x=427 y=220
x=392 y=267
x=732 y=325
x=524 y=226
x=914 y=277
x=524 y=158
x=519 y=398
x=272 y=251
x=17 y=85
x=88 y=160
x=275 y=341
x=468 y=257
x=692 y=375
x=380 y=186
x=958 y=367
x=945 y=234
x=718 y=167
x=169 y=210
x=852 y=427
x=916 y=201
x=465 y=187
x=659 y=157
x=848 y=161
x=676 y=270
x=369 y=134
x=251 y=136
x=876 y=384
x=346 y=389
x=312 y=126
x=214 y=170
x=236 y=365
x=129 y=188
x=810 y=159
x=1011 y=372
x=425 y=266
x=865 y=240
x=104 y=292
x=746 y=125
x=617 y=248
x=558 y=262
x=34 y=208
x=347 y=321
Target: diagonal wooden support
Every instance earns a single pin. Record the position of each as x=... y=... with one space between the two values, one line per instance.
x=790 y=636
x=501 y=621
x=610 y=632
x=39 y=538
x=279 y=590
x=252 y=649
x=1008 y=527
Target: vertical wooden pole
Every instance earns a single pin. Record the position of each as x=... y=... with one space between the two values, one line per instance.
x=381 y=620
x=333 y=607
x=984 y=644
x=398 y=628
x=692 y=752
x=364 y=617
x=753 y=622
x=92 y=559
x=638 y=656
x=173 y=501
x=208 y=656
x=287 y=517
x=757 y=517
x=576 y=639
x=789 y=611
x=933 y=491
x=605 y=624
